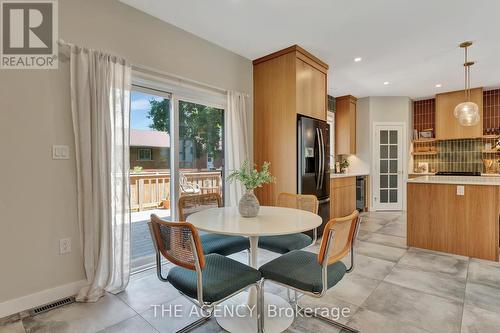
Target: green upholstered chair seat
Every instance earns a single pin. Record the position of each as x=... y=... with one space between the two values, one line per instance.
x=301 y=270
x=221 y=277
x=223 y=245
x=285 y=243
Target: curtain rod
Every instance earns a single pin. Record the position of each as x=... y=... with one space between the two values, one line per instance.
x=142 y=68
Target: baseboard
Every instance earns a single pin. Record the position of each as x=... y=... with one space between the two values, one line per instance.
x=27 y=302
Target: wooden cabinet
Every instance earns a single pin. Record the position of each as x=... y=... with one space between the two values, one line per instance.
x=311 y=90
x=345 y=125
x=441 y=220
x=342 y=196
x=447 y=126
x=286 y=83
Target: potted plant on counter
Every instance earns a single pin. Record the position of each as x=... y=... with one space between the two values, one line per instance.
x=250 y=178
x=344 y=166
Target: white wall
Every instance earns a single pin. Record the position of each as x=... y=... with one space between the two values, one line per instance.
x=360 y=163
x=37 y=194
x=369 y=111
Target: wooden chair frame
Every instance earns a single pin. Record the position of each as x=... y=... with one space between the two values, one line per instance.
x=324 y=260
x=199 y=263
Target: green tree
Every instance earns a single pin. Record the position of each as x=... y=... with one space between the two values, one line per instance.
x=199 y=123
x=159 y=115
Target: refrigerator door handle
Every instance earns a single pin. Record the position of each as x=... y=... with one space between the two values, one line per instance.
x=322 y=159
x=301 y=157
x=318 y=179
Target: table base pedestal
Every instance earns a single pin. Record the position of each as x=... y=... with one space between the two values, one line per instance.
x=278 y=317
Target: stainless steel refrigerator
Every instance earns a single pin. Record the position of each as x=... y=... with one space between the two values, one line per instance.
x=313 y=170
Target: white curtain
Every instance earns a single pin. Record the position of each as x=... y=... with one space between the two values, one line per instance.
x=100 y=106
x=237 y=142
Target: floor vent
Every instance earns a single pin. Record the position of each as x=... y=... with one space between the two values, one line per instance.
x=51 y=306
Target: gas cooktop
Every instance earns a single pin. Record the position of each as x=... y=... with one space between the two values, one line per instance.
x=458 y=173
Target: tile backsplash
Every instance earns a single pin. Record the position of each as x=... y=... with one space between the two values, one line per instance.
x=457 y=155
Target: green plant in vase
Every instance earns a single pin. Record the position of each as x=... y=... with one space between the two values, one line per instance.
x=250 y=178
x=344 y=166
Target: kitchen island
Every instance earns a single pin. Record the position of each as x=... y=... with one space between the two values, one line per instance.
x=455 y=214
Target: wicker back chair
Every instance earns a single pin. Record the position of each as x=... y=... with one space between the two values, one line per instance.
x=307 y=273
x=190 y=204
x=212 y=243
x=286 y=243
x=305 y=202
x=207 y=280
x=178 y=242
x=343 y=230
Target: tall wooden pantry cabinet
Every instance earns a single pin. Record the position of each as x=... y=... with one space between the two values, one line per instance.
x=286 y=83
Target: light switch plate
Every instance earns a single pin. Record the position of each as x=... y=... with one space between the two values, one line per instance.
x=460 y=190
x=60 y=152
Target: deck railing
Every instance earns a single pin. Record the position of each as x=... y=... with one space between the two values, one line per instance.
x=148 y=190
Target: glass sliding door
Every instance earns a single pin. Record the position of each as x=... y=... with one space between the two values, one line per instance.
x=150 y=168
x=176 y=149
x=200 y=148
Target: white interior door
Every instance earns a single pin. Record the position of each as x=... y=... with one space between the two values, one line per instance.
x=388 y=167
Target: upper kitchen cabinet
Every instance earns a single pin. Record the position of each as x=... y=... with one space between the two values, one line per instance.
x=345 y=125
x=311 y=88
x=286 y=83
x=447 y=126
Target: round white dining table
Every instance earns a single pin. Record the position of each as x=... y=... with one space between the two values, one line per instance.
x=271 y=221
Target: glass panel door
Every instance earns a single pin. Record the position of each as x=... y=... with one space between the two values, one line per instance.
x=176 y=148
x=201 y=148
x=389 y=175
x=150 y=146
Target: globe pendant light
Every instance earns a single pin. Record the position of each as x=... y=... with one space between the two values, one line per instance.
x=467 y=112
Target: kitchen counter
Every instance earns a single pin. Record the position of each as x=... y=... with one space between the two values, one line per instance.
x=421 y=173
x=344 y=175
x=457 y=180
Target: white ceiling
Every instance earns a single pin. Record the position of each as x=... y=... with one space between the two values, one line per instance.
x=413 y=44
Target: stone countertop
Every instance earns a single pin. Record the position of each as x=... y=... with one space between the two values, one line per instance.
x=458 y=180
x=422 y=173
x=345 y=175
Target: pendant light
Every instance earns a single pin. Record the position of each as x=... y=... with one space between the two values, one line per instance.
x=467 y=112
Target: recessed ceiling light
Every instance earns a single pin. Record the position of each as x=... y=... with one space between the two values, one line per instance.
x=358 y=59
x=386 y=83
x=439 y=85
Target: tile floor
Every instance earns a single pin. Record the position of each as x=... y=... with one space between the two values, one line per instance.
x=393 y=289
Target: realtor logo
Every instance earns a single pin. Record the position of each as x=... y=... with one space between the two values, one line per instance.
x=28 y=34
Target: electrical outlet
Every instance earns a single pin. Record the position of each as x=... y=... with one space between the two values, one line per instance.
x=65 y=246
x=460 y=190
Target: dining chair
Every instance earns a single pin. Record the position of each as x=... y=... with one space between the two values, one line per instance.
x=212 y=243
x=286 y=243
x=313 y=274
x=206 y=280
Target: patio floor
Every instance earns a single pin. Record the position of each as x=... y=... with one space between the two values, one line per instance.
x=142 y=246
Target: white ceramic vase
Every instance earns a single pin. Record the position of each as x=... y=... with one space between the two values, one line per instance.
x=249 y=205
